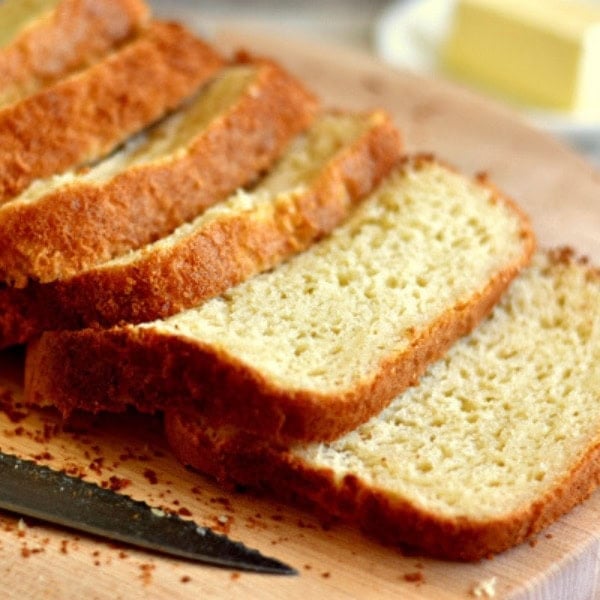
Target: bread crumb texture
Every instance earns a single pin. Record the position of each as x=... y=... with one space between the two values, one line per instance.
x=486 y=588
x=166 y=142
x=426 y=240
x=292 y=175
x=502 y=419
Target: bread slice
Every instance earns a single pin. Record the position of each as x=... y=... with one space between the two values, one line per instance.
x=85 y=116
x=223 y=139
x=309 y=191
x=324 y=341
x=500 y=438
x=44 y=40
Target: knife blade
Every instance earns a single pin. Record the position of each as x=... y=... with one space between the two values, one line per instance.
x=33 y=490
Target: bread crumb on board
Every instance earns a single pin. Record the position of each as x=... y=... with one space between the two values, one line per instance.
x=486 y=588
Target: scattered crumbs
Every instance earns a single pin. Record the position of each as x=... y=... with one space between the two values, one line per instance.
x=184 y=512
x=279 y=540
x=304 y=525
x=21 y=526
x=97 y=464
x=43 y=456
x=234 y=576
x=224 y=502
x=151 y=476
x=414 y=577
x=146 y=572
x=222 y=523
x=11 y=408
x=253 y=523
x=486 y=588
x=115 y=483
x=157 y=512
x=185 y=579
x=26 y=552
x=74 y=471
x=326 y=574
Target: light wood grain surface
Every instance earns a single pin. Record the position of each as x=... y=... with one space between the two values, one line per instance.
x=562 y=194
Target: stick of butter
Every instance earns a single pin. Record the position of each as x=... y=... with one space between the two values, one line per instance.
x=542 y=53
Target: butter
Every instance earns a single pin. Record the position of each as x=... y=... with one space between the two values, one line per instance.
x=541 y=53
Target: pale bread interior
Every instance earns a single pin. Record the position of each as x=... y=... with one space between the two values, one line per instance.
x=167 y=141
x=502 y=418
x=292 y=174
x=426 y=240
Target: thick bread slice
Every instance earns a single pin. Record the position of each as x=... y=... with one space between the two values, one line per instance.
x=324 y=341
x=86 y=115
x=44 y=40
x=222 y=139
x=500 y=438
x=309 y=191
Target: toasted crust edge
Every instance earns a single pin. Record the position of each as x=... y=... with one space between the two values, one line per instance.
x=96 y=109
x=78 y=33
x=236 y=458
x=225 y=252
x=107 y=370
x=51 y=240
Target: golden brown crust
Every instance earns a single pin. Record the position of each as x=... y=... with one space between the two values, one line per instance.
x=154 y=371
x=77 y=33
x=208 y=261
x=85 y=116
x=48 y=239
x=234 y=457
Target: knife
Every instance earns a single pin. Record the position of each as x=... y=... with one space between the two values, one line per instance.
x=30 y=489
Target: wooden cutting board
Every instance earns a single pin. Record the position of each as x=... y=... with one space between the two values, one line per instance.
x=562 y=194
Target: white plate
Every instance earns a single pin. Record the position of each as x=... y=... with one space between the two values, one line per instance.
x=408 y=35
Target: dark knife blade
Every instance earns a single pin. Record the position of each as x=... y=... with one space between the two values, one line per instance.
x=29 y=489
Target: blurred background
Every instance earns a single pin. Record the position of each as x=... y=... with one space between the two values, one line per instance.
x=403 y=33
x=349 y=22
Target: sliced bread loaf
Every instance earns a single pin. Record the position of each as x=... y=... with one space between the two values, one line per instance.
x=324 y=341
x=500 y=438
x=85 y=116
x=44 y=40
x=309 y=191
x=221 y=140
